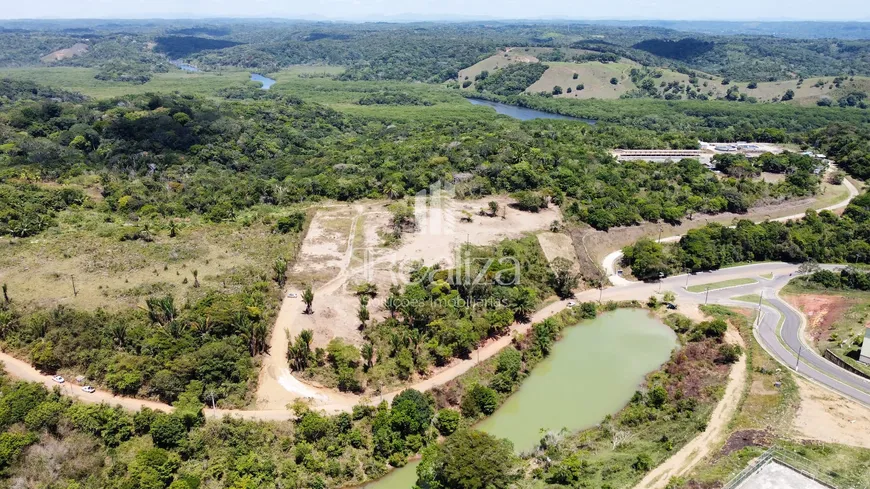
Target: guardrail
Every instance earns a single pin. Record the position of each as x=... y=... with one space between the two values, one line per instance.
x=796 y=462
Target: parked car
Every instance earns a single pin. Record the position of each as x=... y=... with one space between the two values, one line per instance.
x=292 y=295
x=571 y=303
x=670 y=305
x=89 y=389
x=58 y=379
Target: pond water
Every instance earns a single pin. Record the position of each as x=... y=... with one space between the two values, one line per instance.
x=592 y=371
x=523 y=113
x=266 y=81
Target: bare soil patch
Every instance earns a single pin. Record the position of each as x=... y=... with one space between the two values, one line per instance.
x=558 y=245
x=74 y=50
x=831 y=418
x=822 y=312
x=745 y=438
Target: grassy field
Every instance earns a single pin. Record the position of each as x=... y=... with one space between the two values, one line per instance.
x=594 y=76
x=82 y=80
x=87 y=249
x=721 y=285
x=753 y=298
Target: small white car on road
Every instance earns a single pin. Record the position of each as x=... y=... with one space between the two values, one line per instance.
x=292 y=295
x=58 y=379
x=89 y=389
x=571 y=303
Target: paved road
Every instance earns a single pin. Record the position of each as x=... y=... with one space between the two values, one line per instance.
x=779 y=332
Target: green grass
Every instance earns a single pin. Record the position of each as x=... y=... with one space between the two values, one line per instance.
x=753 y=298
x=721 y=285
x=82 y=80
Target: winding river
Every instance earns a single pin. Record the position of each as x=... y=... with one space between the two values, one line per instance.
x=266 y=81
x=524 y=114
x=592 y=371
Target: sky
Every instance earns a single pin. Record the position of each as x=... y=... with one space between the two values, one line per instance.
x=396 y=10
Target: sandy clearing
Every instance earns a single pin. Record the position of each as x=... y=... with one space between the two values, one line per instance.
x=558 y=245
x=332 y=243
x=702 y=445
x=74 y=50
x=830 y=418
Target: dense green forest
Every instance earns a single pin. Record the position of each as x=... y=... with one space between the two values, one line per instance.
x=512 y=79
x=820 y=237
x=429 y=52
x=138 y=144
x=104 y=446
x=110 y=447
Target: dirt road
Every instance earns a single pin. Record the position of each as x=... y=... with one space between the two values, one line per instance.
x=700 y=446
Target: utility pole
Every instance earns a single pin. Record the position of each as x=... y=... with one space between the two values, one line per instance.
x=661 y=276
x=75 y=292
x=687 y=278
x=798 y=363
x=600 y=290
x=707 y=294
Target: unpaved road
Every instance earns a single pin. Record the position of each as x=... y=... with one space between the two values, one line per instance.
x=284 y=388
x=699 y=447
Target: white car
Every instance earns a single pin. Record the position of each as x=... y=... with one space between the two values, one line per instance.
x=292 y=295
x=89 y=389
x=571 y=303
x=58 y=379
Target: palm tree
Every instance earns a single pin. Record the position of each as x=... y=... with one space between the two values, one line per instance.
x=522 y=301
x=203 y=327
x=299 y=351
x=308 y=299
x=173 y=229
x=368 y=354
x=7 y=322
x=280 y=269
x=161 y=310
x=118 y=330
x=393 y=190
x=363 y=313
x=6 y=293
x=255 y=333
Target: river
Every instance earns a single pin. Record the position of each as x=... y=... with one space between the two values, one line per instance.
x=591 y=372
x=266 y=81
x=523 y=113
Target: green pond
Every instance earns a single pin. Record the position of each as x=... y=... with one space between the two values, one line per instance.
x=591 y=372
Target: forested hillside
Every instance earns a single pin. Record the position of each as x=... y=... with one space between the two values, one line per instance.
x=428 y=52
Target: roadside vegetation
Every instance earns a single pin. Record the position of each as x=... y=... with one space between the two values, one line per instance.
x=819 y=237
x=765 y=419
x=839 y=304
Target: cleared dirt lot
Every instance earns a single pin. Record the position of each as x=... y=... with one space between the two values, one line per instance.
x=831 y=418
x=343 y=248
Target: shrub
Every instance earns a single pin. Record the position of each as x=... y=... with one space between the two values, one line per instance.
x=447 y=421
x=167 y=431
